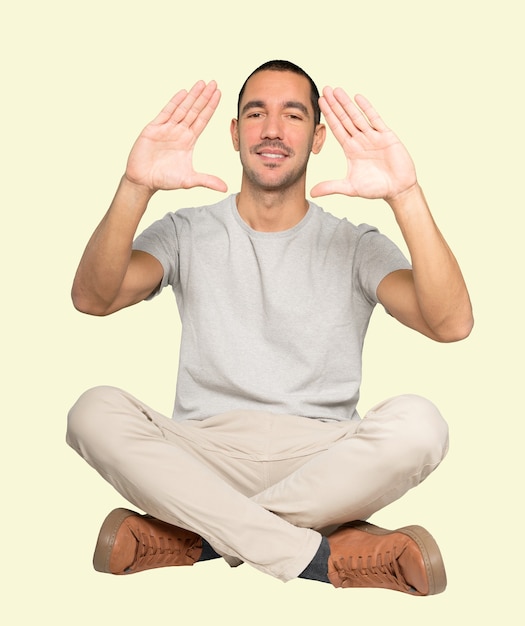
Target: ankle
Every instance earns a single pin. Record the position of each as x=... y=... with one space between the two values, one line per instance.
x=208 y=553
x=317 y=569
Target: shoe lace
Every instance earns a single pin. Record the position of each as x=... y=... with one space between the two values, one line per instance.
x=383 y=571
x=160 y=549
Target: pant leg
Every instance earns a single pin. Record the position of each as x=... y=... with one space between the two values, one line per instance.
x=138 y=451
x=395 y=446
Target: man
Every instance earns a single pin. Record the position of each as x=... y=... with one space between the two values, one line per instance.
x=265 y=459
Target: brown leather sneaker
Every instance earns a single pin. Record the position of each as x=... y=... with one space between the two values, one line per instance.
x=129 y=542
x=407 y=559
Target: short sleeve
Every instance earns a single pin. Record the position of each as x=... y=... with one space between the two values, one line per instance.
x=161 y=241
x=376 y=256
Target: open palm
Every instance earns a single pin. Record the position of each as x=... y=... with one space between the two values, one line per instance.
x=162 y=156
x=378 y=164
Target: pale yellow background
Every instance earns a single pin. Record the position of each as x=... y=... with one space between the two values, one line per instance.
x=79 y=81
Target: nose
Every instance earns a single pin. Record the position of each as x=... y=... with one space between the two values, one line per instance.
x=272 y=127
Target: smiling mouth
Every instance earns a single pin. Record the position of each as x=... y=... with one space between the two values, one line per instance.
x=274 y=151
x=272 y=155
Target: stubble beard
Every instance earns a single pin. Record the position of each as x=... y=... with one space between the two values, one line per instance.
x=282 y=183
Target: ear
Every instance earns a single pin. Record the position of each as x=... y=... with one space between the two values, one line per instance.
x=234 y=131
x=319 y=138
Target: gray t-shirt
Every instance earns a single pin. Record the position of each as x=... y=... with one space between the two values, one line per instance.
x=270 y=321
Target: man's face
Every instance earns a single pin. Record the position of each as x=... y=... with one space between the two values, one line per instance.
x=276 y=132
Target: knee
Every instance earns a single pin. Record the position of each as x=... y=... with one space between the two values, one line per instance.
x=87 y=418
x=425 y=431
x=425 y=418
x=418 y=426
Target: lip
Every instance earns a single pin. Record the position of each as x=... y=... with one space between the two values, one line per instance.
x=272 y=151
x=272 y=154
x=269 y=154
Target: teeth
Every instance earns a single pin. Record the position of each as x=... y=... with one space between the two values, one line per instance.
x=272 y=156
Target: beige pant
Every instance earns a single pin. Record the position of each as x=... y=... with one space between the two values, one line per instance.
x=260 y=488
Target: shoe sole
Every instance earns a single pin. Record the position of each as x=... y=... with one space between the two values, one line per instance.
x=435 y=568
x=106 y=539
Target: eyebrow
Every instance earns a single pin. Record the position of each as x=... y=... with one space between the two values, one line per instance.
x=290 y=104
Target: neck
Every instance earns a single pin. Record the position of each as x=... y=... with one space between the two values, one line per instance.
x=271 y=211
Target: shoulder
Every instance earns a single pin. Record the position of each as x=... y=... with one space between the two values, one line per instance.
x=169 y=230
x=342 y=224
x=219 y=211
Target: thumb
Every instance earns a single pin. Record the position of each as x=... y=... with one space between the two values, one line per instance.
x=209 y=181
x=326 y=188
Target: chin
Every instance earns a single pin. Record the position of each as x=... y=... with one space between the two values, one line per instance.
x=274 y=181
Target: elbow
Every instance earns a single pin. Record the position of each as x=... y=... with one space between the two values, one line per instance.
x=458 y=331
x=86 y=305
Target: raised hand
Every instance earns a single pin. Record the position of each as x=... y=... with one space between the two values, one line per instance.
x=162 y=156
x=379 y=165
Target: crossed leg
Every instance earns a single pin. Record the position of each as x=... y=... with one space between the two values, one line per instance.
x=230 y=487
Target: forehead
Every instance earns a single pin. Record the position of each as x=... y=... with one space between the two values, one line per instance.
x=275 y=86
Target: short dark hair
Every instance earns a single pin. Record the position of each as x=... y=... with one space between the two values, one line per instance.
x=286 y=66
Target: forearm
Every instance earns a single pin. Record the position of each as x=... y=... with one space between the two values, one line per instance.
x=103 y=265
x=440 y=289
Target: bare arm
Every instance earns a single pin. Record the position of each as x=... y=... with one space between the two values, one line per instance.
x=432 y=298
x=110 y=275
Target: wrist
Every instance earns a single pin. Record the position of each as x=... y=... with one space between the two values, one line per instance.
x=137 y=191
x=409 y=202
x=405 y=197
x=412 y=213
x=130 y=202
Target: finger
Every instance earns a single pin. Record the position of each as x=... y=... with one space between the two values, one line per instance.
x=340 y=132
x=196 y=109
x=205 y=107
x=167 y=111
x=329 y=187
x=336 y=116
x=183 y=102
x=209 y=181
x=186 y=111
x=373 y=116
x=358 y=120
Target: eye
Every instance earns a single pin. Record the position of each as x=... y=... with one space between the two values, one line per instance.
x=295 y=117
